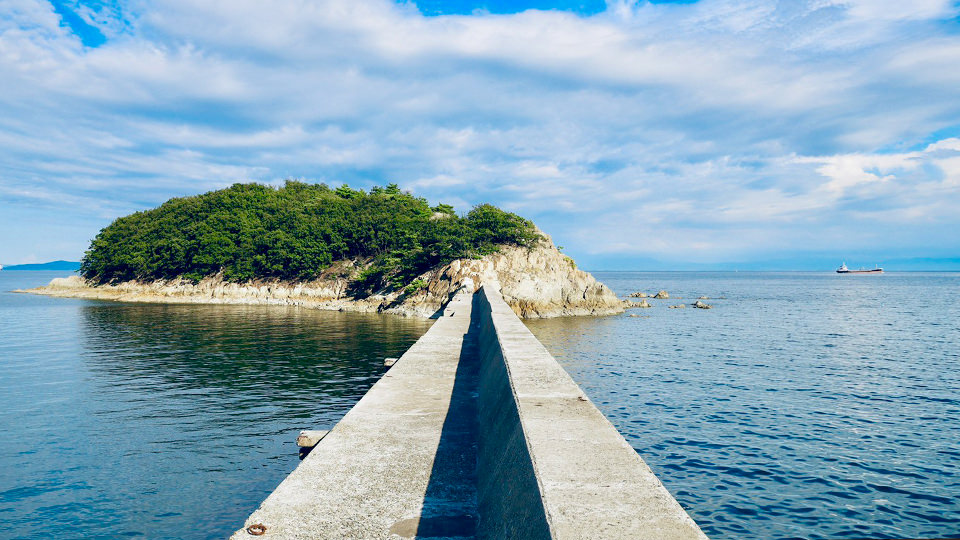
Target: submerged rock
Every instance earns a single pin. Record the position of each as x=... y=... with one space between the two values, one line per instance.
x=678 y=306
x=640 y=304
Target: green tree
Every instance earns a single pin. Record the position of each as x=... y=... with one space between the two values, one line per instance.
x=250 y=231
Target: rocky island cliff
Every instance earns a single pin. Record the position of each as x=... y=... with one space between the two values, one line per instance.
x=537 y=283
x=409 y=260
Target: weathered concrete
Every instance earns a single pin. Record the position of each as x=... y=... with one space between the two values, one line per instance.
x=591 y=482
x=475 y=432
x=395 y=465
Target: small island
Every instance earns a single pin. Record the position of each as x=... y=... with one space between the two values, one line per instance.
x=305 y=244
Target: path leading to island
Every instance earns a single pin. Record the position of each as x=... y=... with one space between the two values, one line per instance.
x=476 y=432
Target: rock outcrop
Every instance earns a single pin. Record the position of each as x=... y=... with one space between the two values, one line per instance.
x=536 y=282
x=702 y=305
x=661 y=295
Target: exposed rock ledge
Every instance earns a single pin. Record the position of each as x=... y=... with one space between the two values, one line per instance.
x=537 y=283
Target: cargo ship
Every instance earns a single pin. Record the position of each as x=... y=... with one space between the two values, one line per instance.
x=844 y=270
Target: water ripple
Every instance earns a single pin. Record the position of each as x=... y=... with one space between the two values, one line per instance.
x=139 y=420
x=802 y=406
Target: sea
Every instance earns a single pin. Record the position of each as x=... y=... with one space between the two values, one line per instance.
x=802 y=405
x=122 y=420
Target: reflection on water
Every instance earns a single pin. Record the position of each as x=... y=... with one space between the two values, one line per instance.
x=801 y=406
x=168 y=421
x=246 y=354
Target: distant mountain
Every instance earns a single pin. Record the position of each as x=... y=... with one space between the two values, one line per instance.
x=810 y=262
x=55 y=265
x=929 y=264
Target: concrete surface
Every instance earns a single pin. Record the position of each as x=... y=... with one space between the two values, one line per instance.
x=394 y=466
x=476 y=432
x=591 y=482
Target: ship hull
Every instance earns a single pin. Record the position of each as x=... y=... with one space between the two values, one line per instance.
x=876 y=271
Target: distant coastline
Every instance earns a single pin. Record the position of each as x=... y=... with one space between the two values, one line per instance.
x=69 y=266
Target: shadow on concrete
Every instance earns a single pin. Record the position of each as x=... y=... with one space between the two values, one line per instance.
x=510 y=504
x=450 y=502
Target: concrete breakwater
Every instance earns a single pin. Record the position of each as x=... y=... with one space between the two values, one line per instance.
x=476 y=432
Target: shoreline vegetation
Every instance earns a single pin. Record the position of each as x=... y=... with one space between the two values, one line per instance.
x=295 y=233
x=308 y=244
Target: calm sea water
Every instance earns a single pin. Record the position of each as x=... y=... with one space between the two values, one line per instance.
x=802 y=406
x=152 y=421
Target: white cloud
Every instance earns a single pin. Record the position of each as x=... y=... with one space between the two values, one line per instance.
x=669 y=130
x=847 y=170
x=898 y=10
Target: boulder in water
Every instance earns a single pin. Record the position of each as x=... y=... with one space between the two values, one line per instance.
x=662 y=295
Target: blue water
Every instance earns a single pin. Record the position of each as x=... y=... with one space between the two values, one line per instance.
x=164 y=421
x=802 y=405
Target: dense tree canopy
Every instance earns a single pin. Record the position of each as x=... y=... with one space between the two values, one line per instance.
x=295 y=232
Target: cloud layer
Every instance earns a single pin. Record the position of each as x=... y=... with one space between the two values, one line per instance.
x=715 y=131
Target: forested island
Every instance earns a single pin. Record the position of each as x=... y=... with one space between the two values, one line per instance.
x=331 y=248
x=296 y=232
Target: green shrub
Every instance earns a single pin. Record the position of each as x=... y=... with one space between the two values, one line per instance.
x=414 y=286
x=295 y=232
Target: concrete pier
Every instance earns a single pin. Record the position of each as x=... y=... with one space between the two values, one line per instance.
x=475 y=432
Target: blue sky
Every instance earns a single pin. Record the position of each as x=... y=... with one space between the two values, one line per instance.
x=710 y=134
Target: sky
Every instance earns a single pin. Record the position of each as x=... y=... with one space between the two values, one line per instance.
x=725 y=134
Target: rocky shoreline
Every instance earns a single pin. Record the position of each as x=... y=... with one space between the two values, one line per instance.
x=536 y=282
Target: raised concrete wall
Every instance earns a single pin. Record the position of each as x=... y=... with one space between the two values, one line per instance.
x=402 y=462
x=476 y=432
x=509 y=498
x=557 y=453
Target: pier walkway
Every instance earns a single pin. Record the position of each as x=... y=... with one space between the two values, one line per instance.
x=476 y=432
